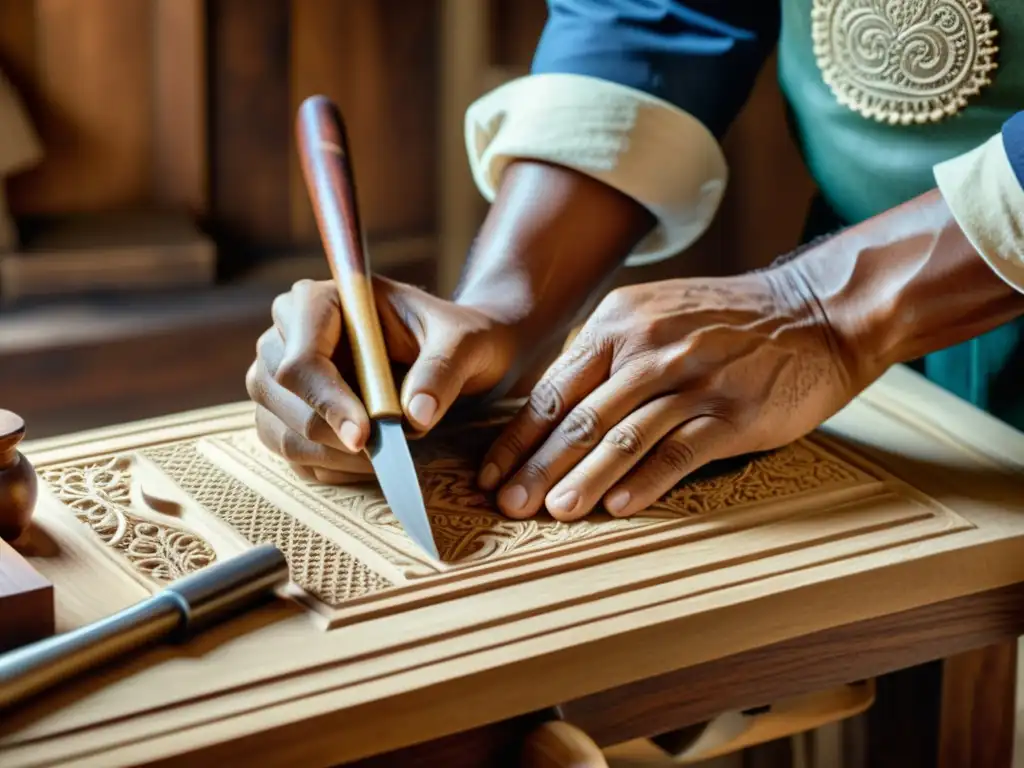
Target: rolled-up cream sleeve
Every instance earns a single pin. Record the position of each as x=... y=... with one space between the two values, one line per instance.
x=636 y=94
x=639 y=144
x=983 y=191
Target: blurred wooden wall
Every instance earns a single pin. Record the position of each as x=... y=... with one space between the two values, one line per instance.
x=136 y=109
x=156 y=103
x=116 y=89
x=376 y=59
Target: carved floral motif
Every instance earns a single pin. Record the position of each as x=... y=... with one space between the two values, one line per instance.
x=904 y=61
x=100 y=496
x=469 y=531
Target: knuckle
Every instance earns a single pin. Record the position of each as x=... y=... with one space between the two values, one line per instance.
x=545 y=403
x=266 y=344
x=292 y=372
x=626 y=439
x=290 y=446
x=512 y=443
x=648 y=333
x=303 y=284
x=440 y=364
x=615 y=303
x=535 y=473
x=580 y=352
x=279 y=306
x=640 y=369
x=581 y=428
x=253 y=384
x=309 y=423
x=676 y=455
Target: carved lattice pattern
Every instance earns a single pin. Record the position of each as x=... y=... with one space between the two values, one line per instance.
x=317 y=564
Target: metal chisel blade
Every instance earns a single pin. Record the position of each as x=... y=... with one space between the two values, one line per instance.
x=392 y=462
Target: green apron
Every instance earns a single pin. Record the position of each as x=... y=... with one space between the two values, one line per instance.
x=863 y=167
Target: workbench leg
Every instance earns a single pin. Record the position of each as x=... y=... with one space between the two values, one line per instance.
x=977 y=724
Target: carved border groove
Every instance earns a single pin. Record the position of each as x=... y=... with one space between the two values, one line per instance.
x=234 y=479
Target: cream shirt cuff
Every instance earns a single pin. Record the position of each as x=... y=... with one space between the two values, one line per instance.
x=987 y=202
x=642 y=146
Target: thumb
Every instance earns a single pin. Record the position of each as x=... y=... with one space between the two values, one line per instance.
x=436 y=379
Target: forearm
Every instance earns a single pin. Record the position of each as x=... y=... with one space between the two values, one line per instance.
x=903 y=284
x=552 y=237
x=627 y=95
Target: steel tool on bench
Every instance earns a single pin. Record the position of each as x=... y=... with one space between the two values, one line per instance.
x=186 y=606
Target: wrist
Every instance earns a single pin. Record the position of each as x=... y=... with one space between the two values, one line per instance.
x=502 y=293
x=843 y=323
x=550 y=241
x=902 y=285
x=796 y=286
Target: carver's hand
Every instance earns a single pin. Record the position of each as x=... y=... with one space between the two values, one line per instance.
x=307 y=411
x=662 y=379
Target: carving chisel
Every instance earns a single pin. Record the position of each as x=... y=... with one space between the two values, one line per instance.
x=327 y=168
x=186 y=606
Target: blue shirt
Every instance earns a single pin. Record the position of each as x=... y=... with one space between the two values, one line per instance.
x=703 y=56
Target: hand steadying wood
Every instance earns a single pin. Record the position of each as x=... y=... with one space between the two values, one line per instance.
x=663 y=378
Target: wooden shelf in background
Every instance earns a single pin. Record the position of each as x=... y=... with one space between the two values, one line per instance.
x=88 y=362
x=106 y=253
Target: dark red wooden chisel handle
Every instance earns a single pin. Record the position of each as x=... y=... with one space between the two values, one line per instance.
x=327 y=168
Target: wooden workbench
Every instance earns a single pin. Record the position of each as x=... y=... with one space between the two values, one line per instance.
x=893 y=536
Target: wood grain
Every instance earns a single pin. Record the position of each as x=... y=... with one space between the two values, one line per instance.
x=978 y=707
x=17 y=46
x=465 y=60
x=106 y=254
x=92 y=77
x=251 y=122
x=801 y=665
x=180 y=170
x=89 y=363
x=621 y=631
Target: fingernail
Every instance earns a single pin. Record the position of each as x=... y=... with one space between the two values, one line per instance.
x=422 y=409
x=564 y=502
x=351 y=436
x=513 y=498
x=617 y=501
x=489 y=477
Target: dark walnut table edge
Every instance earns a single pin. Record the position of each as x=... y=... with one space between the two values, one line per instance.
x=844 y=654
